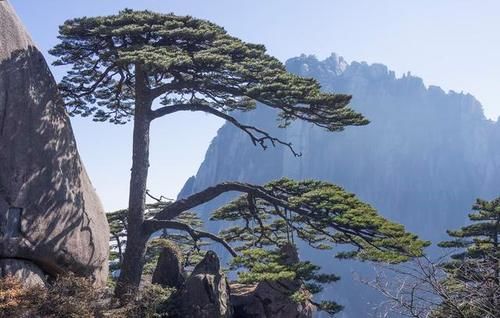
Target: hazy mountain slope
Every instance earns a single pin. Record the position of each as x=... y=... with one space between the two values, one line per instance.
x=422 y=161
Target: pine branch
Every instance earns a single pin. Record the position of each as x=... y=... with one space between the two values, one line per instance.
x=179 y=206
x=258 y=136
x=151 y=226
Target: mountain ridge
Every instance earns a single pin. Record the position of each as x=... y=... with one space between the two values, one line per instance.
x=338 y=65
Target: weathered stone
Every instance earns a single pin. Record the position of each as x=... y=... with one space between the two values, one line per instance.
x=25 y=271
x=290 y=254
x=50 y=214
x=169 y=271
x=205 y=293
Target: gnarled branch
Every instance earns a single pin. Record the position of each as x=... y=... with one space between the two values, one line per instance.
x=151 y=226
x=210 y=193
x=179 y=206
x=258 y=136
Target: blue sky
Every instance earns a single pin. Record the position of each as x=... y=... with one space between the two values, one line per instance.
x=454 y=44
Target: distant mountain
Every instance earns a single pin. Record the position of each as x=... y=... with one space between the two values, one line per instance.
x=422 y=161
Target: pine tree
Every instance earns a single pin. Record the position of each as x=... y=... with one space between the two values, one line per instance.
x=473 y=274
x=319 y=214
x=143 y=65
x=479 y=240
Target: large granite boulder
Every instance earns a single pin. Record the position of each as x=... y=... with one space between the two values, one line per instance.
x=50 y=215
x=205 y=293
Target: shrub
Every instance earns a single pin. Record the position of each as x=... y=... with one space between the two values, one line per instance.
x=151 y=302
x=16 y=300
x=67 y=296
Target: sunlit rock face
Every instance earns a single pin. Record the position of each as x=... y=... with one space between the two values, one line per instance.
x=50 y=214
x=422 y=161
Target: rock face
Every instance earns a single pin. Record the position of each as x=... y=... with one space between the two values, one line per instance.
x=169 y=271
x=50 y=214
x=422 y=161
x=205 y=293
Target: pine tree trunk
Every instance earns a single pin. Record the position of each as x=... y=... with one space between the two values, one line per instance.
x=133 y=260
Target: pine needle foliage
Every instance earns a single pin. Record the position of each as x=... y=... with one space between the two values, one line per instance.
x=480 y=239
x=187 y=61
x=322 y=215
x=473 y=273
x=304 y=279
x=317 y=213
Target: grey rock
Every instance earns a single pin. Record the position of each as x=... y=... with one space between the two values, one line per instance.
x=25 y=271
x=49 y=211
x=290 y=254
x=205 y=293
x=169 y=271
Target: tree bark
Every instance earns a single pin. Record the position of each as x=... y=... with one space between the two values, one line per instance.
x=133 y=260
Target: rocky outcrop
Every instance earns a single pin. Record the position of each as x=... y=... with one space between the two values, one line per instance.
x=50 y=214
x=422 y=161
x=205 y=293
x=269 y=300
x=272 y=299
x=169 y=271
